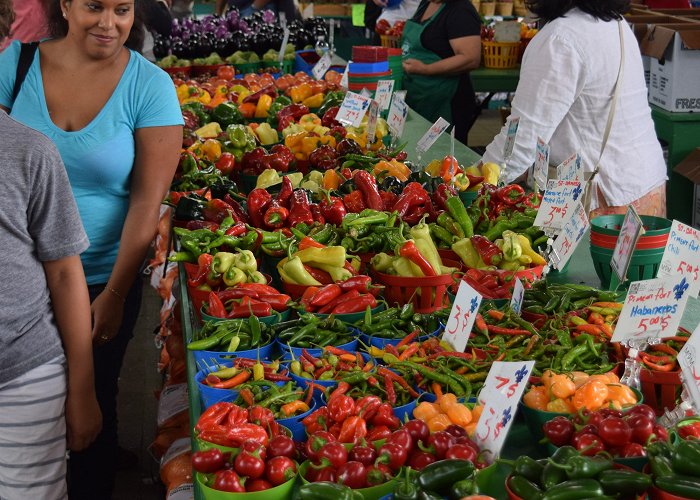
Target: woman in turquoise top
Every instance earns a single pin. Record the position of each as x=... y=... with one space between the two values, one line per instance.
x=116 y=122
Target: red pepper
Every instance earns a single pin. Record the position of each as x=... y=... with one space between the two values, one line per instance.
x=361 y=283
x=392 y=455
x=367 y=185
x=378 y=432
x=388 y=200
x=399 y=379
x=278 y=301
x=317 y=215
x=353 y=306
x=283 y=154
x=255 y=96
x=237 y=416
x=286 y=191
x=324 y=158
x=208 y=461
x=243 y=311
x=244 y=432
x=410 y=252
x=385 y=417
x=688 y=431
x=259 y=288
x=489 y=252
x=441 y=194
x=260 y=416
x=275 y=215
x=289 y=114
x=217 y=210
x=316 y=421
x=354 y=202
x=328 y=119
x=237 y=229
x=340 y=407
x=306 y=297
x=338 y=132
x=330 y=307
x=204 y=261
x=213 y=416
x=193 y=225
x=325 y=295
x=254 y=161
x=367 y=407
x=474 y=179
x=228 y=480
x=258 y=201
x=412 y=196
x=238 y=210
x=299 y=210
x=353 y=430
x=390 y=391
x=511 y=194
x=332 y=209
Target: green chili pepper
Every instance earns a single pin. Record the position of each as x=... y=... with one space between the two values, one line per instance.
x=624 y=482
x=581 y=467
x=574 y=489
x=440 y=476
x=552 y=475
x=679 y=485
x=524 y=488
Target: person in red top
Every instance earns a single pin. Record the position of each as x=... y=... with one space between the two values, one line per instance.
x=30 y=23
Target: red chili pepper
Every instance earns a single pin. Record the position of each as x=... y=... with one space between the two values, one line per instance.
x=307 y=296
x=319 y=274
x=237 y=229
x=378 y=432
x=317 y=215
x=243 y=311
x=216 y=436
x=259 y=288
x=489 y=252
x=367 y=406
x=410 y=251
x=287 y=189
x=361 y=283
x=354 y=202
x=216 y=307
x=325 y=295
x=204 y=261
x=498 y=330
x=367 y=185
x=299 y=209
x=390 y=391
x=330 y=307
x=398 y=379
x=441 y=194
x=352 y=306
x=309 y=242
x=213 y=416
x=278 y=301
x=258 y=201
x=217 y=210
x=240 y=213
x=237 y=416
x=260 y=416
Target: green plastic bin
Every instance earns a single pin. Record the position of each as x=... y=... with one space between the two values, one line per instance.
x=610 y=225
x=644 y=264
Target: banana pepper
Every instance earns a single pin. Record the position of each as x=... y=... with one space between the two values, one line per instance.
x=466 y=251
x=292 y=271
x=510 y=246
x=537 y=259
x=327 y=256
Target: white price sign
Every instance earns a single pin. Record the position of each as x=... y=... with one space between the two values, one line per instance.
x=570 y=169
x=689 y=359
x=462 y=316
x=397 y=115
x=513 y=124
x=322 y=66
x=632 y=228
x=372 y=121
x=435 y=131
x=571 y=234
x=682 y=256
x=503 y=388
x=541 y=163
x=516 y=301
x=557 y=202
x=344 y=78
x=383 y=93
x=653 y=308
x=353 y=109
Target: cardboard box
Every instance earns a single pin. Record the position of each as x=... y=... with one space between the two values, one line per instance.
x=675 y=66
x=690 y=169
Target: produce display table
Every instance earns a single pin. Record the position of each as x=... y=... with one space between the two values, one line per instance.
x=495 y=80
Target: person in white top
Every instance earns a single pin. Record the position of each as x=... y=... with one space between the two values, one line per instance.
x=397 y=12
x=567 y=80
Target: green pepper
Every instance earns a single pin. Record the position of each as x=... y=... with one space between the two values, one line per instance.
x=226 y=113
x=524 y=488
x=456 y=209
x=324 y=491
x=406 y=489
x=685 y=457
x=440 y=476
x=527 y=467
x=679 y=485
x=463 y=488
x=197 y=109
x=660 y=465
x=624 y=482
x=552 y=475
x=574 y=489
x=237 y=135
x=428 y=495
x=448 y=223
x=497 y=230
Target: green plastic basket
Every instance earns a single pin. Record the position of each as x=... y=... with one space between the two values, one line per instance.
x=245 y=68
x=644 y=264
x=468 y=197
x=281 y=492
x=610 y=225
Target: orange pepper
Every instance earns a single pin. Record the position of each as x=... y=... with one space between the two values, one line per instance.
x=562 y=386
x=425 y=411
x=536 y=398
x=263 y=106
x=459 y=414
x=211 y=149
x=579 y=378
x=591 y=395
x=300 y=92
x=439 y=423
x=247 y=109
x=294 y=142
x=309 y=121
x=622 y=394
x=331 y=180
x=560 y=405
x=314 y=101
x=546 y=378
x=447 y=401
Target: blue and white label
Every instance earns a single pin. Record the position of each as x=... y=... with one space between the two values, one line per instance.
x=462 y=316
x=353 y=109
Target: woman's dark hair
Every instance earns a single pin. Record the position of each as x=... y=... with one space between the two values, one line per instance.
x=58 y=26
x=7 y=17
x=605 y=10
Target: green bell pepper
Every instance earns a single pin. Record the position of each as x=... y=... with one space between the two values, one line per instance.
x=226 y=113
x=197 y=109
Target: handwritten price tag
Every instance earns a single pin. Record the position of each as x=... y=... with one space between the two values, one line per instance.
x=397 y=115
x=682 y=256
x=569 y=237
x=321 y=66
x=372 y=121
x=632 y=229
x=570 y=169
x=653 y=308
x=383 y=93
x=513 y=124
x=541 y=163
x=500 y=395
x=353 y=109
x=689 y=359
x=462 y=316
x=558 y=201
x=435 y=131
x=516 y=301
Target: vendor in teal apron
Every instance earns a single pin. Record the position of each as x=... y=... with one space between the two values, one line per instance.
x=441 y=43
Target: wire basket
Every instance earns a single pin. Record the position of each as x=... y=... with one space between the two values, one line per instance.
x=500 y=55
x=391 y=41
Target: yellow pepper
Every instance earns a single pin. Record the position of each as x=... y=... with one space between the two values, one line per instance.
x=311 y=143
x=537 y=259
x=183 y=92
x=361 y=140
x=196 y=149
x=209 y=131
x=491 y=172
x=314 y=101
x=376 y=145
x=263 y=106
x=460 y=182
x=393 y=168
x=242 y=95
x=300 y=92
x=294 y=141
x=309 y=121
x=211 y=149
x=433 y=168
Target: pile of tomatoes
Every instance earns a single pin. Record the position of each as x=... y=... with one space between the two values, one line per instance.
x=623 y=435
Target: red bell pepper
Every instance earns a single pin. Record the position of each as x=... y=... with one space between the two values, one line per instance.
x=340 y=407
x=332 y=209
x=511 y=194
x=258 y=201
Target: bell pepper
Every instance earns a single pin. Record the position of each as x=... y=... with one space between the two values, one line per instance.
x=537 y=259
x=309 y=121
x=354 y=202
x=311 y=142
x=511 y=194
x=333 y=209
x=293 y=272
x=324 y=158
x=211 y=149
x=300 y=92
x=263 y=106
x=226 y=114
x=258 y=201
x=239 y=137
x=266 y=134
x=208 y=131
x=198 y=110
x=490 y=171
x=299 y=209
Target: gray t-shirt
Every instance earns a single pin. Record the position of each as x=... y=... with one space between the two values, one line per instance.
x=39 y=222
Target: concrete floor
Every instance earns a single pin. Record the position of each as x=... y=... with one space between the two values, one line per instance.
x=140 y=379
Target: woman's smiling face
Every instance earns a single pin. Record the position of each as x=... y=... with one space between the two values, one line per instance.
x=100 y=26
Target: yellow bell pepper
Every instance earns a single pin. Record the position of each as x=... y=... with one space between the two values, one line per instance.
x=361 y=140
x=314 y=101
x=242 y=95
x=263 y=106
x=294 y=141
x=309 y=121
x=376 y=145
x=300 y=92
x=460 y=182
x=209 y=131
x=537 y=259
x=293 y=128
x=491 y=173
x=183 y=92
x=311 y=143
x=211 y=149
x=433 y=168
x=266 y=134
x=196 y=149
x=393 y=168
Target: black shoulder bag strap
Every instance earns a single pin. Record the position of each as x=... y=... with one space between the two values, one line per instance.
x=26 y=56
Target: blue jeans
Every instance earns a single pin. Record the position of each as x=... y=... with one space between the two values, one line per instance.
x=92 y=471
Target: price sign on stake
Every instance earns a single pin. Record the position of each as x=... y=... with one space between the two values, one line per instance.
x=503 y=388
x=462 y=316
x=344 y=78
x=322 y=66
x=541 y=163
x=372 y=121
x=513 y=124
x=632 y=229
x=653 y=308
x=353 y=109
x=569 y=237
x=570 y=169
x=435 y=131
x=557 y=202
x=516 y=302
x=283 y=47
x=383 y=93
x=689 y=359
x=682 y=256
x=397 y=115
